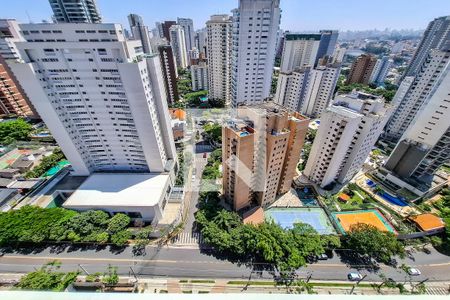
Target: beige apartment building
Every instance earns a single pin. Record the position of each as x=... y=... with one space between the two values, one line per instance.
x=362 y=69
x=261 y=149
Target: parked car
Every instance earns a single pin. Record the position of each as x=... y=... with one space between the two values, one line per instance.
x=414 y=272
x=392 y=262
x=322 y=256
x=353 y=276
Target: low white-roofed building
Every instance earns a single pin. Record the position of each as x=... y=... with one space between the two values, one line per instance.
x=137 y=195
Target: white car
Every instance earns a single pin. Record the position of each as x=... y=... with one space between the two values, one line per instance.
x=353 y=276
x=414 y=272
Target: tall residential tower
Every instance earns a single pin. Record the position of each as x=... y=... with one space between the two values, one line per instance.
x=75 y=11
x=219 y=46
x=255 y=29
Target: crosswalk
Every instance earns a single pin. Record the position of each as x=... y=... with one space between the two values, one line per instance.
x=437 y=291
x=187 y=238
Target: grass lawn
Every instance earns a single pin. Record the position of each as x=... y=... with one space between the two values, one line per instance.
x=356 y=202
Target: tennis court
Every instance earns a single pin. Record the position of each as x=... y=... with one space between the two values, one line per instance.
x=347 y=219
x=314 y=216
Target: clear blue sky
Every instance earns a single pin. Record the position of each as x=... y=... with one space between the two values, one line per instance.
x=297 y=15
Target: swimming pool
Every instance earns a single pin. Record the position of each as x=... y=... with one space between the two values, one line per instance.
x=314 y=216
x=392 y=199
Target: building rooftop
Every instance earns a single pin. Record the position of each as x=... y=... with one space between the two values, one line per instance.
x=302 y=36
x=427 y=222
x=117 y=189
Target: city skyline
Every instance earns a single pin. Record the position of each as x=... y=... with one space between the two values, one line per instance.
x=297 y=15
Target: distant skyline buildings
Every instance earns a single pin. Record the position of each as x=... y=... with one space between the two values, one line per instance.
x=297 y=15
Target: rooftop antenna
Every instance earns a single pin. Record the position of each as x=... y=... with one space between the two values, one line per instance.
x=28 y=15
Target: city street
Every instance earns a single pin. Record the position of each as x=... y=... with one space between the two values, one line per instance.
x=173 y=261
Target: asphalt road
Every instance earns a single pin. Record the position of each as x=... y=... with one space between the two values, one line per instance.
x=193 y=263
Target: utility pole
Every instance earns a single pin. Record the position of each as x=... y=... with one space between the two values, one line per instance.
x=353 y=288
x=84 y=270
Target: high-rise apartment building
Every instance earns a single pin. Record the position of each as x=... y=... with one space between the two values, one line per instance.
x=165 y=26
x=300 y=50
x=178 y=43
x=435 y=36
x=414 y=92
x=381 y=70
x=328 y=40
x=199 y=76
x=158 y=30
x=201 y=41
x=102 y=98
x=169 y=71
x=13 y=100
x=348 y=130
x=255 y=28
x=260 y=152
x=307 y=90
x=75 y=11
x=219 y=47
x=425 y=145
x=362 y=69
x=140 y=32
x=189 y=33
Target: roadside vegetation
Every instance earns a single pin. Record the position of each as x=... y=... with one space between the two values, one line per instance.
x=31 y=224
x=212 y=133
x=442 y=242
x=46 y=164
x=47 y=278
x=309 y=139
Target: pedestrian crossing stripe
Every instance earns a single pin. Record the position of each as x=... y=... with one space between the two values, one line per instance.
x=437 y=291
x=187 y=238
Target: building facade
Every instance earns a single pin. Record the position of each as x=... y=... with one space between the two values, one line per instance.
x=260 y=152
x=165 y=27
x=414 y=92
x=13 y=100
x=348 y=130
x=255 y=28
x=189 y=33
x=79 y=11
x=425 y=145
x=362 y=69
x=299 y=50
x=307 y=90
x=219 y=47
x=102 y=98
x=199 y=76
x=201 y=42
x=140 y=32
x=178 y=43
x=169 y=71
x=328 y=40
x=381 y=70
x=435 y=36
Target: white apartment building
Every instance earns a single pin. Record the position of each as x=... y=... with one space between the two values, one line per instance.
x=425 y=145
x=255 y=29
x=381 y=69
x=201 y=41
x=199 y=76
x=435 y=36
x=348 y=130
x=307 y=90
x=101 y=98
x=219 y=46
x=79 y=11
x=178 y=43
x=417 y=94
x=300 y=50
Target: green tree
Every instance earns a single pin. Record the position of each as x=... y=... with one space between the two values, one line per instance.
x=47 y=279
x=121 y=238
x=118 y=223
x=368 y=241
x=110 y=276
x=46 y=163
x=213 y=133
x=16 y=130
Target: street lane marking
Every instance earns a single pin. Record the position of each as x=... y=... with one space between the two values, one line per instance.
x=4 y=258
